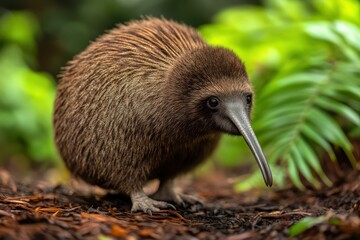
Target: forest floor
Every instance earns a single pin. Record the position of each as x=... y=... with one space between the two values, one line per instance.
x=38 y=211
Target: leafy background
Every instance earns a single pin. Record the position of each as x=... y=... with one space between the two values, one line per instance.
x=303 y=58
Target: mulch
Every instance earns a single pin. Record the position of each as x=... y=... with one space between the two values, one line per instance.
x=38 y=211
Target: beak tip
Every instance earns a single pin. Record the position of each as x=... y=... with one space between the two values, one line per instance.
x=268 y=180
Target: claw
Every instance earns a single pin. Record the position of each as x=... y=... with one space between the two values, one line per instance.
x=148 y=211
x=166 y=193
x=141 y=202
x=171 y=206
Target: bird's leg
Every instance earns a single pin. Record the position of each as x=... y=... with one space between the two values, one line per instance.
x=141 y=202
x=166 y=192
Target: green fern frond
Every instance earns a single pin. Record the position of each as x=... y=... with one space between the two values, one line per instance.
x=308 y=99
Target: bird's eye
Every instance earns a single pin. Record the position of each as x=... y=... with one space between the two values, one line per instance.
x=248 y=99
x=212 y=102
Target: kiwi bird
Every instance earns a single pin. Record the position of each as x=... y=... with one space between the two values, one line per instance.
x=150 y=100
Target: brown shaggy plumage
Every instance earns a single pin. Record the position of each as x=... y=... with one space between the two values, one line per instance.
x=131 y=106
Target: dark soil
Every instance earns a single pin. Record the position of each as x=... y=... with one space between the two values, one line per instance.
x=38 y=211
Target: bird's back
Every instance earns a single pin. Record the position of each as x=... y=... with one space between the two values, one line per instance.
x=145 y=46
x=129 y=64
x=109 y=95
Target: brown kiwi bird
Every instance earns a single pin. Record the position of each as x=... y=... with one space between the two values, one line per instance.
x=149 y=100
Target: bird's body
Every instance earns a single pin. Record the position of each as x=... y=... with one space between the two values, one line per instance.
x=130 y=107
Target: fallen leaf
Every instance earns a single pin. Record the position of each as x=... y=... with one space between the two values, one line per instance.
x=149 y=233
x=118 y=231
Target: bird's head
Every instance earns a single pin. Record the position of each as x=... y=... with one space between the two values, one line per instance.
x=214 y=94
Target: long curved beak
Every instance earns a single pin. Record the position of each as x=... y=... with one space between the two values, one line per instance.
x=238 y=115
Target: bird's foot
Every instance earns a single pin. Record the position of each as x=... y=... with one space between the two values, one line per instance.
x=167 y=193
x=184 y=200
x=141 y=202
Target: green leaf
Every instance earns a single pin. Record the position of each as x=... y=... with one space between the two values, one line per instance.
x=305 y=224
x=311 y=158
x=339 y=108
x=293 y=172
x=328 y=128
x=297 y=81
x=302 y=165
x=323 y=30
x=313 y=135
x=284 y=134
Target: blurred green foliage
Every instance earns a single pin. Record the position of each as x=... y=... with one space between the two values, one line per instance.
x=37 y=38
x=26 y=96
x=303 y=58
x=66 y=27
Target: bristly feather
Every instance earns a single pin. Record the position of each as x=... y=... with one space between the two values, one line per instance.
x=147 y=45
x=123 y=111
